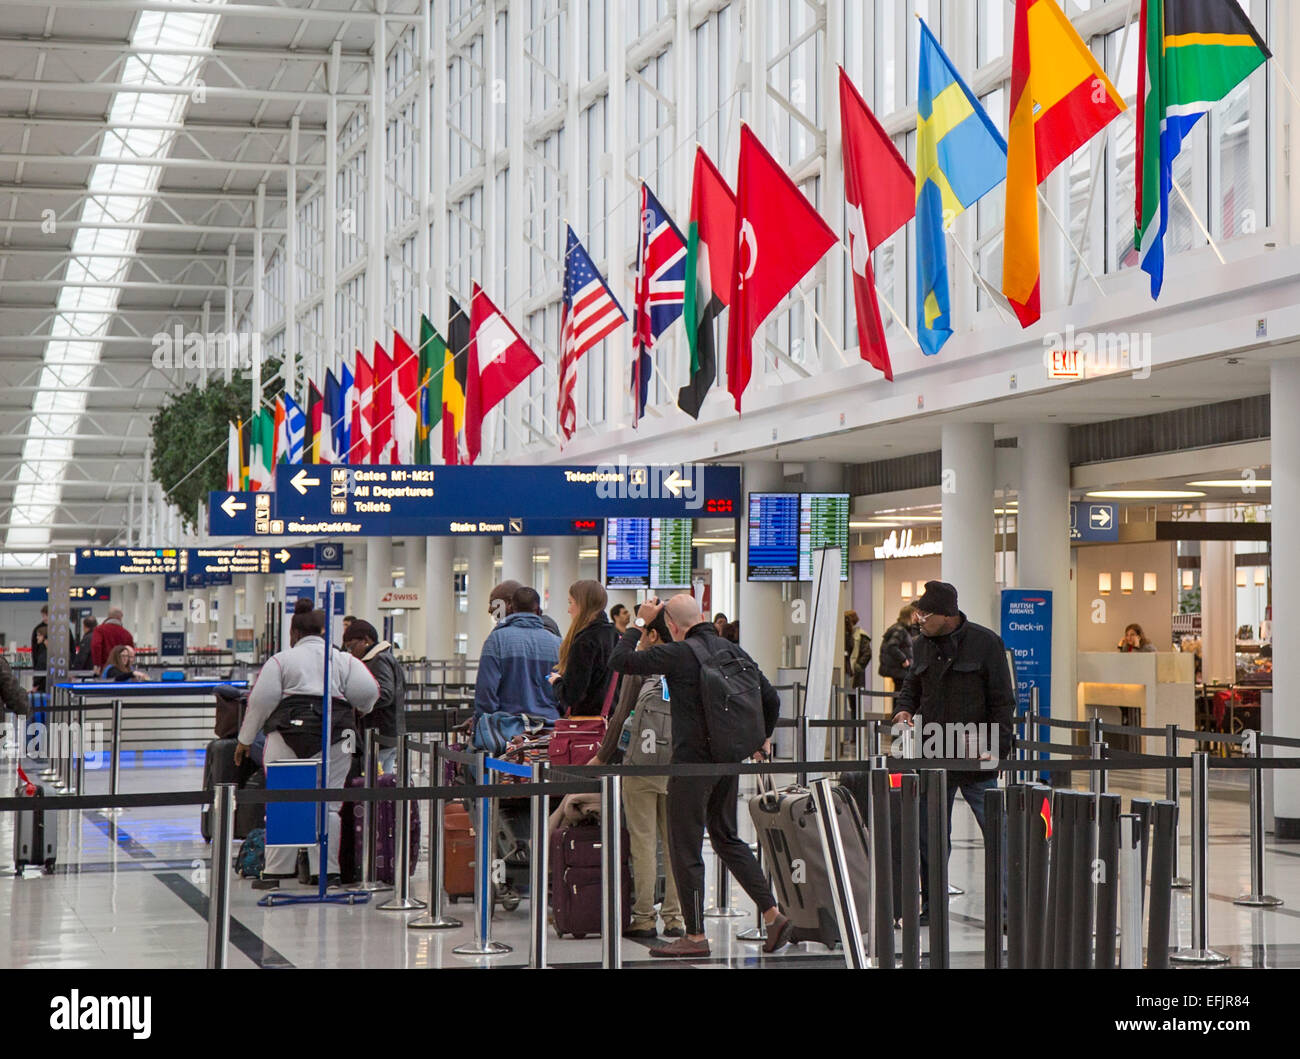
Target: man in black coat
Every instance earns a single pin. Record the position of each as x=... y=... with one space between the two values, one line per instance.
x=958 y=679
x=697 y=803
x=387 y=718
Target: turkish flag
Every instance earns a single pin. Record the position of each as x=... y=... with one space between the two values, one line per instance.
x=779 y=238
x=880 y=197
x=499 y=360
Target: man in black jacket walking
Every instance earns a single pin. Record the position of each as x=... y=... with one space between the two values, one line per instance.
x=697 y=803
x=958 y=679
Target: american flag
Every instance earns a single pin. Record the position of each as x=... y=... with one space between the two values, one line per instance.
x=588 y=315
x=660 y=288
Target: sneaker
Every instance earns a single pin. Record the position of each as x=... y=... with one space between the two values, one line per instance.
x=641 y=932
x=778 y=933
x=266 y=884
x=682 y=948
x=675 y=932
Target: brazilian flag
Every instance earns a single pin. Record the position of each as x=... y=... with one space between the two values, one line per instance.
x=432 y=356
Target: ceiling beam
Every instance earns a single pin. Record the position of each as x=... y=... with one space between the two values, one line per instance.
x=124 y=47
x=208 y=195
x=277 y=95
x=225 y=11
x=170 y=162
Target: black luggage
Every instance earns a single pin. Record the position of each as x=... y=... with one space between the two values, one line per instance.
x=219 y=767
x=785 y=820
x=857 y=784
x=35 y=832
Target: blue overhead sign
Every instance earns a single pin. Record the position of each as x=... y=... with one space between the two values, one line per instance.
x=101 y=562
x=398 y=501
x=41 y=594
x=1093 y=522
x=235 y=514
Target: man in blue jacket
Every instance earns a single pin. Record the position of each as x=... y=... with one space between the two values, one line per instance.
x=517 y=657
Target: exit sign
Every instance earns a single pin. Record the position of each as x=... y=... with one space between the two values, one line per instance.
x=1065 y=364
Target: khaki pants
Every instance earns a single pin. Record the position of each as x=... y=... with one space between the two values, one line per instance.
x=645 y=810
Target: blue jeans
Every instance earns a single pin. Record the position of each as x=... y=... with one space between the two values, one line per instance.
x=973 y=794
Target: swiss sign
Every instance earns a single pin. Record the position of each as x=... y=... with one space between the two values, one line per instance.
x=400 y=599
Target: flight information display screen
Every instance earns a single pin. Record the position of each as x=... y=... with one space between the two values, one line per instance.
x=627 y=552
x=773 y=553
x=670 y=552
x=823 y=523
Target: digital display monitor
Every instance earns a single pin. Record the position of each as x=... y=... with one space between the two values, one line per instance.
x=670 y=552
x=823 y=523
x=773 y=553
x=627 y=552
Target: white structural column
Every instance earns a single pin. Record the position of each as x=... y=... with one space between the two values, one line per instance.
x=289 y=368
x=355 y=564
x=517 y=559
x=439 y=600
x=1219 y=604
x=1284 y=388
x=413 y=563
x=478 y=552
x=563 y=572
x=376 y=150
x=255 y=603
x=616 y=243
x=150 y=603
x=379 y=578
x=226 y=617
x=966 y=485
x=761 y=612
x=126 y=596
x=329 y=234
x=1043 y=561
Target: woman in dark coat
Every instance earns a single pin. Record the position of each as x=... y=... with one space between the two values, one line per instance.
x=582 y=677
x=896 y=647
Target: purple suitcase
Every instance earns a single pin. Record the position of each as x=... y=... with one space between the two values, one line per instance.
x=352 y=855
x=575 y=880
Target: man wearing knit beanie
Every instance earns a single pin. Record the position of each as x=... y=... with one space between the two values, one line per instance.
x=959 y=678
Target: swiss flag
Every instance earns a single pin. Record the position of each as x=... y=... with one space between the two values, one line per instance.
x=880 y=197
x=362 y=411
x=779 y=238
x=499 y=360
x=406 y=400
x=381 y=431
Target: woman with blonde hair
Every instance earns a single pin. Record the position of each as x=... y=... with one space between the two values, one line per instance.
x=581 y=679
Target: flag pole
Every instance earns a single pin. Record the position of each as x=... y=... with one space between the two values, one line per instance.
x=807 y=303
x=995 y=296
x=1066 y=235
x=885 y=301
x=1199 y=223
x=1101 y=155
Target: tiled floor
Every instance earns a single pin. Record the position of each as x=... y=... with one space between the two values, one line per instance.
x=131 y=892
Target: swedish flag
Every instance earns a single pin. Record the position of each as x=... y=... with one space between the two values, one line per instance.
x=960 y=157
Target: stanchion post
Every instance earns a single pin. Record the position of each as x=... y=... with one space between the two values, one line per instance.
x=223 y=826
x=758 y=932
x=1200 y=952
x=1039 y=813
x=1108 y=845
x=538 y=872
x=801 y=738
x=115 y=760
x=1062 y=869
x=1017 y=874
x=1180 y=882
x=881 y=841
x=77 y=748
x=1141 y=808
x=837 y=871
x=1258 y=897
x=482 y=945
x=1081 y=918
x=910 y=870
x=722 y=895
x=1163 y=840
x=1130 y=879
x=1097 y=778
x=995 y=805
x=434 y=919
x=936 y=806
x=611 y=871
x=370 y=770
x=402 y=901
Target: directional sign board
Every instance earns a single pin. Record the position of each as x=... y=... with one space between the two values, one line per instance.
x=402 y=501
x=1093 y=522
x=130 y=561
x=222 y=563
x=232 y=514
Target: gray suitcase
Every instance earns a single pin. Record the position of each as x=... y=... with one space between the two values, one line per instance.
x=786 y=823
x=35 y=835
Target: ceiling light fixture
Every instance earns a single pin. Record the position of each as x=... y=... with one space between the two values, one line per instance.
x=1235 y=483
x=1144 y=494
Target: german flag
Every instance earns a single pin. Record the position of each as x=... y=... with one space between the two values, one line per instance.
x=455 y=368
x=1060 y=99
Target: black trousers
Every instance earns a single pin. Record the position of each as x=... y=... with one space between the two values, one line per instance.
x=697 y=804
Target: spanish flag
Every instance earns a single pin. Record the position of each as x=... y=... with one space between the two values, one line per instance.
x=1060 y=99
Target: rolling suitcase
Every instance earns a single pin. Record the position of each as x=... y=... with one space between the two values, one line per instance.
x=35 y=834
x=386 y=831
x=787 y=830
x=575 y=880
x=219 y=767
x=458 y=852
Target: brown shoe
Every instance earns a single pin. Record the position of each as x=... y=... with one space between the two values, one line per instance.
x=682 y=948
x=778 y=933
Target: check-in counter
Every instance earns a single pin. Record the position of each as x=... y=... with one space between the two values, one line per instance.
x=1148 y=689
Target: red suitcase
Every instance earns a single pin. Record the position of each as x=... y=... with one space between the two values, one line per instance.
x=458 y=851
x=575 y=880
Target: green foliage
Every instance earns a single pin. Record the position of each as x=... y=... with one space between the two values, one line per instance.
x=190 y=432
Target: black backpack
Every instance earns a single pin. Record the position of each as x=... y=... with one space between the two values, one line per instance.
x=731 y=695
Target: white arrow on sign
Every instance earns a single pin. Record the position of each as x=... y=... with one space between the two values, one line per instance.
x=674 y=482
x=300 y=481
x=1101 y=517
x=230 y=505
x=282 y=555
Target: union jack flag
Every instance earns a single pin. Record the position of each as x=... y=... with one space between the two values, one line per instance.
x=660 y=288
x=588 y=315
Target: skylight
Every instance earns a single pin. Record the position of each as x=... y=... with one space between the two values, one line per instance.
x=118 y=194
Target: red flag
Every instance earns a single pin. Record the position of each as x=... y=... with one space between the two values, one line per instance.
x=880 y=197
x=406 y=400
x=362 y=412
x=499 y=360
x=779 y=238
x=381 y=431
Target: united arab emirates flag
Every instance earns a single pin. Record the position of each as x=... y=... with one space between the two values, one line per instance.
x=709 y=255
x=1194 y=52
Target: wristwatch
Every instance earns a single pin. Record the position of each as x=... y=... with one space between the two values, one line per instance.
x=639 y=623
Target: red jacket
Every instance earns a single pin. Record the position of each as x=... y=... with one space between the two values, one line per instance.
x=107 y=635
